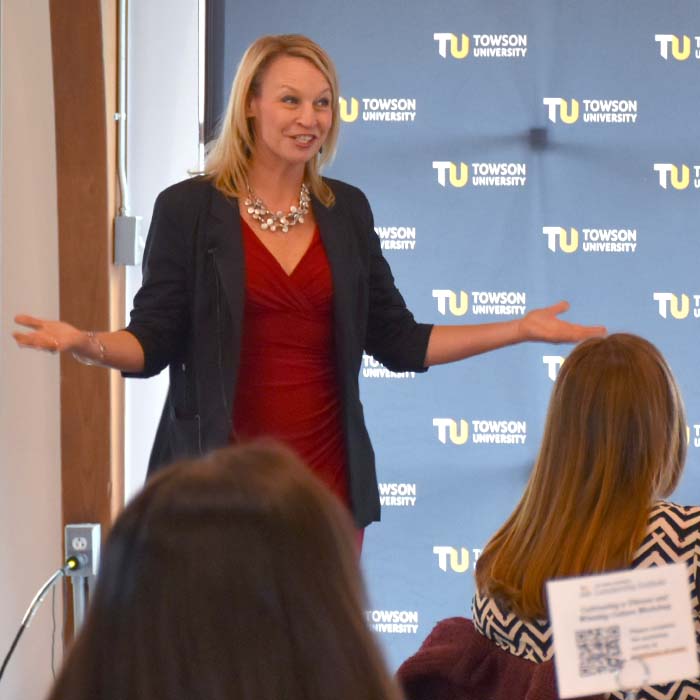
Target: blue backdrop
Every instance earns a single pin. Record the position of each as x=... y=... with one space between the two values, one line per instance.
x=515 y=154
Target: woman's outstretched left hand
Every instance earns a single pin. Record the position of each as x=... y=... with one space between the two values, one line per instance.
x=544 y=325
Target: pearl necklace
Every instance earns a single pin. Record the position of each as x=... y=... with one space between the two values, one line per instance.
x=270 y=220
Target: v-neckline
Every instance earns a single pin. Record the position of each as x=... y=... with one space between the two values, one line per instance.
x=288 y=275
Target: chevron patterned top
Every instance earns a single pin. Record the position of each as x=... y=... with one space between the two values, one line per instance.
x=673 y=535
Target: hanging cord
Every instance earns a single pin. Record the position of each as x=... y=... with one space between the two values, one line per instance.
x=53 y=632
x=71 y=563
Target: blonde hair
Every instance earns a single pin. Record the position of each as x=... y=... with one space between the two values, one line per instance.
x=614 y=441
x=229 y=155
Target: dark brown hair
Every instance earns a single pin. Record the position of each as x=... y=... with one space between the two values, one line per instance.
x=234 y=576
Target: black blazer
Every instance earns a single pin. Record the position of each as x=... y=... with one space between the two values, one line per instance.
x=188 y=316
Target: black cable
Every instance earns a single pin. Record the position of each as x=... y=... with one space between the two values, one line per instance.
x=71 y=563
x=21 y=629
x=64 y=612
x=53 y=632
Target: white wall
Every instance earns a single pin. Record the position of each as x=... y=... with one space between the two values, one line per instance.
x=162 y=147
x=30 y=480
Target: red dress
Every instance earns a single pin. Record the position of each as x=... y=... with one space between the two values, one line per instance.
x=287 y=384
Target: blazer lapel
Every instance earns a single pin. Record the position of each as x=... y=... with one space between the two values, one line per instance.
x=224 y=242
x=336 y=235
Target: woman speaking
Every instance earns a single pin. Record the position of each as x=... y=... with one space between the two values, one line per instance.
x=263 y=283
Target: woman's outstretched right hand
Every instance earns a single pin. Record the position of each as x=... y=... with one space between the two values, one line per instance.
x=116 y=349
x=51 y=336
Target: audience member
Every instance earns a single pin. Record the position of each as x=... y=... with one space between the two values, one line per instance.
x=613 y=449
x=234 y=576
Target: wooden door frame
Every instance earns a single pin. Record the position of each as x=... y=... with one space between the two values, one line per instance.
x=91 y=287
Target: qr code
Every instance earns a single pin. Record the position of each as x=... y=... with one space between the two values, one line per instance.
x=598 y=650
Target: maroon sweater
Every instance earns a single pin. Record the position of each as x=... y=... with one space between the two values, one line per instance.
x=456 y=662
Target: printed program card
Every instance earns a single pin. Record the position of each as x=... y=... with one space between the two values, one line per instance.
x=622 y=630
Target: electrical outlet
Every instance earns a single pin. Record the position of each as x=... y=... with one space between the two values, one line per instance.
x=83 y=542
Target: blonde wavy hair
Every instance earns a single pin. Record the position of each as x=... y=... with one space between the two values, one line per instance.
x=229 y=156
x=615 y=440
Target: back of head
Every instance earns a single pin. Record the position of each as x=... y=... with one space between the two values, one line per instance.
x=234 y=576
x=614 y=441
